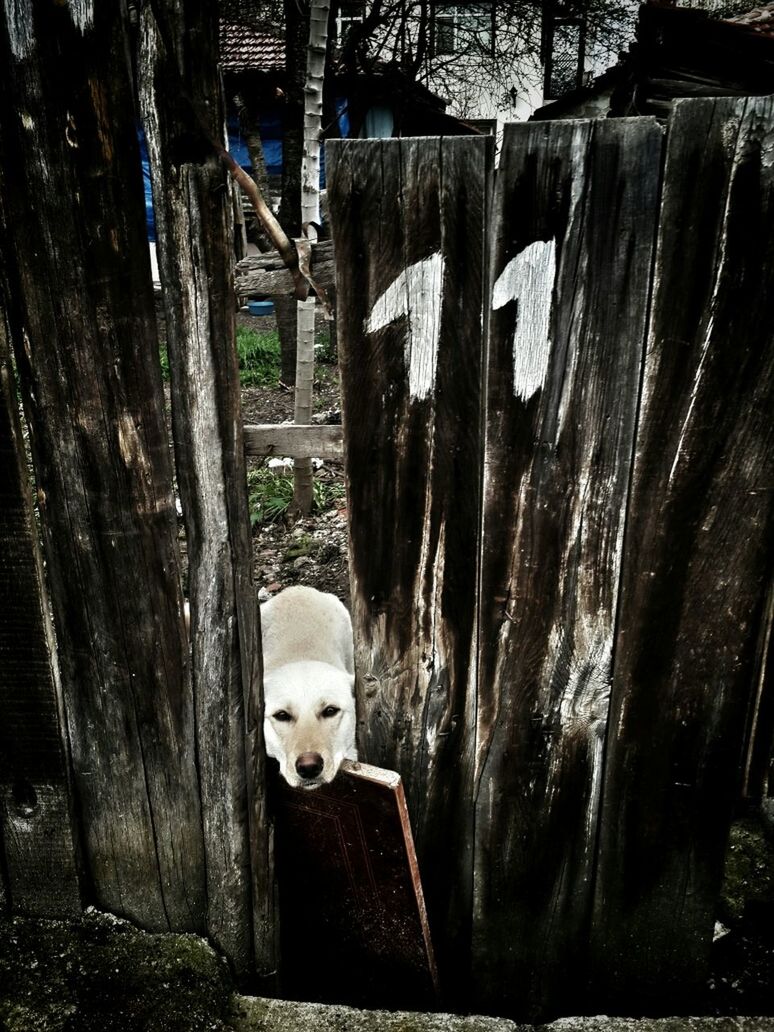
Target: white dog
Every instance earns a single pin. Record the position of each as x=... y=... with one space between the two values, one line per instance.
x=309 y=685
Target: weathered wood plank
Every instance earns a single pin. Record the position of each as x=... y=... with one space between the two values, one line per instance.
x=409 y=225
x=698 y=548
x=266 y=274
x=574 y=222
x=193 y=213
x=294 y=440
x=36 y=822
x=82 y=324
x=758 y=771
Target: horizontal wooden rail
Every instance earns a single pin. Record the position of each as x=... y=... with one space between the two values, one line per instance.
x=297 y=441
x=267 y=273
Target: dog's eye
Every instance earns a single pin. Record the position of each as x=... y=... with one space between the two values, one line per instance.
x=330 y=711
x=282 y=715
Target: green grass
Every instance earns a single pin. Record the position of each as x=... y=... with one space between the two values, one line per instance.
x=259 y=358
x=324 y=349
x=271 y=494
x=164 y=359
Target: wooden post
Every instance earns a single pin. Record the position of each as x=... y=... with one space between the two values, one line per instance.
x=574 y=225
x=37 y=835
x=83 y=330
x=698 y=548
x=303 y=479
x=182 y=110
x=409 y=225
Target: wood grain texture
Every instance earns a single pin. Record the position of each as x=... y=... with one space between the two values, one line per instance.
x=193 y=214
x=81 y=314
x=574 y=223
x=698 y=551
x=758 y=767
x=266 y=274
x=288 y=440
x=409 y=225
x=37 y=837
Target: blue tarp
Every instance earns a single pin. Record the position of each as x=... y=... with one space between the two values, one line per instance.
x=150 y=220
x=271 y=139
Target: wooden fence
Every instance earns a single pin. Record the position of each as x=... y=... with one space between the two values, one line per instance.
x=163 y=769
x=557 y=402
x=561 y=530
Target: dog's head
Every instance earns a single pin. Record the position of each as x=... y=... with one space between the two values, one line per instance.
x=309 y=721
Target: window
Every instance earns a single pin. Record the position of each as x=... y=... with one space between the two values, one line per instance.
x=349 y=14
x=564 y=46
x=563 y=69
x=462 y=28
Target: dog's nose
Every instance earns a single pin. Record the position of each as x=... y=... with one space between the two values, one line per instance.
x=309 y=765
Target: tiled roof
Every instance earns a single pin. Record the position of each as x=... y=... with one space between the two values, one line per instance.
x=759 y=20
x=242 y=47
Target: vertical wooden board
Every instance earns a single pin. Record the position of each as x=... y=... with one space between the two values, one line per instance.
x=698 y=547
x=36 y=829
x=409 y=224
x=81 y=315
x=574 y=223
x=757 y=780
x=195 y=239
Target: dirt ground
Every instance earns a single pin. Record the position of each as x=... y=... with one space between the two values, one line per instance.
x=312 y=550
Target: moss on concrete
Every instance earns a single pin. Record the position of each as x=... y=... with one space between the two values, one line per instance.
x=257 y=1015
x=103 y=975
x=252 y=1014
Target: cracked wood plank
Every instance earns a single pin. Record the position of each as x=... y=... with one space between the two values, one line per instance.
x=574 y=223
x=37 y=837
x=409 y=225
x=81 y=316
x=698 y=550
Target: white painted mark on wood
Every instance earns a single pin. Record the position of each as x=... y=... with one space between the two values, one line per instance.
x=82 y=13
x=528 y=279
x=416 y=294
x=18 y=18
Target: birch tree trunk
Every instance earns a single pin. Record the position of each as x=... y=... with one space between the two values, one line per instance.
x=319 y=10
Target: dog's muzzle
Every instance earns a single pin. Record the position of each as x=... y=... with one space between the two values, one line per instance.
x=309 y=766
